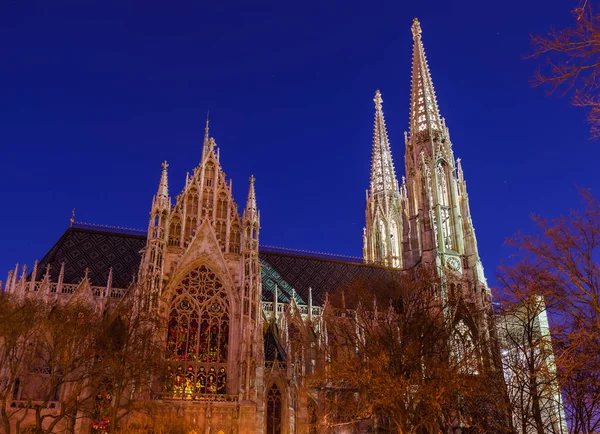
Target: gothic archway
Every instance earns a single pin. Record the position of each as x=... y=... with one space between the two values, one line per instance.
x=198 y=336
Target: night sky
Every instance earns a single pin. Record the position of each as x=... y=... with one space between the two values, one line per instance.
x=94 y=95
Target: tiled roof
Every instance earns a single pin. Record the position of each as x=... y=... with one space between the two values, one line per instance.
x=295 y=274
x=99 y=247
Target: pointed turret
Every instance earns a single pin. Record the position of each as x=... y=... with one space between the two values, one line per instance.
x=251 y=200
x=382 y=234
x=152 y=265
x=424 y=112
x=161 y=205
x=252 y=284
x=383 y=174
x=161 y=199
x=251 y=219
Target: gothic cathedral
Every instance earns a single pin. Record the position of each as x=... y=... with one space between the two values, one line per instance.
x=231 y=307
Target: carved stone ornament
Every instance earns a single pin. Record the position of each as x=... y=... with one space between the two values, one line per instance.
x=453 y=263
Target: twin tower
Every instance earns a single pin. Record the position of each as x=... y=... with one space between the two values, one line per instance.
x=425 y=219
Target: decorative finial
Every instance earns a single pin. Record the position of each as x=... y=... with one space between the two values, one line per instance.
x=378 y=100
x=251 y=201
x=416 y=28
x=206 y=142
x=72 y=219
x=165 y=165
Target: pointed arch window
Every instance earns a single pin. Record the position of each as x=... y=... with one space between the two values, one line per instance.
x=192 y=203
x=209 y=174
x=235 y=239
x=175 y=231
x=274 y=411
x=198 y=335
x=444 y=201
x=190 y=227
x=222 y=206
x=462 y=349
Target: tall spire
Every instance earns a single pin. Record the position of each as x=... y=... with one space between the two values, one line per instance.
x=424 y=112
x=383 y=230
x=383 y=175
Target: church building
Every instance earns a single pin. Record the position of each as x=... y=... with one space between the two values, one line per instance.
x=229 y=305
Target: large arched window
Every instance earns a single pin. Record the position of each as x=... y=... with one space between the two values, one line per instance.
x=198 y=335
x=274 y=411
x=462 y=349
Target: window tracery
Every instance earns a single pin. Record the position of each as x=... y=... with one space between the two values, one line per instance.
x=198 y=335
x=462 y=349
x=235 y=239
x=274 y=411
x=175 y=231
x=192 y=202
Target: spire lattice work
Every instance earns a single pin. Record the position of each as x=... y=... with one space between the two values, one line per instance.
x=424 y=111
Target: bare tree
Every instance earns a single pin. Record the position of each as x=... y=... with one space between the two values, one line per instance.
x=527 y=354
x=572 y=61
x=388 y=363
x=561 y=262
x=50 y=367
x=18 y=328
x=131 y=365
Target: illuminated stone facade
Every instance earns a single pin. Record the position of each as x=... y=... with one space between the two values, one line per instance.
x=233 y=309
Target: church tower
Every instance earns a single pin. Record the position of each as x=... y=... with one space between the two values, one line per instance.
x=441 y=230
x=382 y=237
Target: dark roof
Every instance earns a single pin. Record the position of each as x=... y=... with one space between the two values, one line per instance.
x=295 y=274
x=273 y=348
x=99 y=247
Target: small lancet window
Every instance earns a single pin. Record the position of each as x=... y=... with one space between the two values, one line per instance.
x=274 y=411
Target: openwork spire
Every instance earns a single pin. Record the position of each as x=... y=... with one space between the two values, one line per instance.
x=424 y=112
x=383 y=175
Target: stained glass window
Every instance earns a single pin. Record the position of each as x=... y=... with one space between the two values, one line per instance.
x=274 y=411
x=198 y=336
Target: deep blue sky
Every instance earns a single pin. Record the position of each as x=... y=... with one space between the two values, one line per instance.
x=94 y=95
